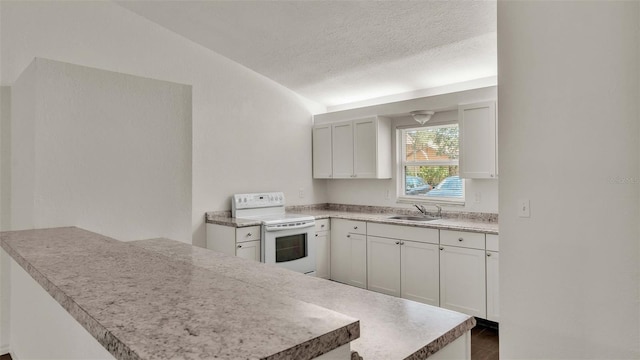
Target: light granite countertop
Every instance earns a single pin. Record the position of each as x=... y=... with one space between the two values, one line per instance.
x=149 y=302
x=390 y=327
x=458 y=223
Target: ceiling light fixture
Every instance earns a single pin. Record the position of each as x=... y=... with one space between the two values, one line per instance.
x=422 y=116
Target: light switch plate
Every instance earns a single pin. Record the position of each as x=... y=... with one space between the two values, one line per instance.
x=524 y=208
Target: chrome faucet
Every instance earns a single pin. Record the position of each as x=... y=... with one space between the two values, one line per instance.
x=439 y=210
x=421 y=209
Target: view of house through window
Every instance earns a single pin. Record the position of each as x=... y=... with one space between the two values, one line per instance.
x=430 y=163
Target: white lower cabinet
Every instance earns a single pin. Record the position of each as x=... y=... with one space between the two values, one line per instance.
x=241 y=242
x=248 y=250
x=358 y=268
x=406 y=265
x=403 y=268
x=383 y=264
x=493 y=283
x=462 y=280
x=323 y=249
x=493 y=288
x=348 y=246
x=420 y=270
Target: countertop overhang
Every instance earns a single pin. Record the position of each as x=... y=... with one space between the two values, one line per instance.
x=390 y=327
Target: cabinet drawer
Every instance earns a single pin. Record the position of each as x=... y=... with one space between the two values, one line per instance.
x=412 y=233
x=353 y=226
x=492 y=242
x=248 y=233
x=462 y=239
x=322 y=225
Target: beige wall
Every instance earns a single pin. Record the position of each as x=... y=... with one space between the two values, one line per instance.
x=5 y=157
x=104 y=151
x=569 y=111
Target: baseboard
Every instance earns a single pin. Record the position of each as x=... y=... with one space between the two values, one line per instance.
x=5 y=350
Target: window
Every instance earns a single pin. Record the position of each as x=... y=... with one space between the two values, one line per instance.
x=429 y=159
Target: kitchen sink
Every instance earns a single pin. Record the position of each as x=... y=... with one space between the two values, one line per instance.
x=413 y=218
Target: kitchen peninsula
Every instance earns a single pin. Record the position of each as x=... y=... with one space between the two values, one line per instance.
x=160 y=299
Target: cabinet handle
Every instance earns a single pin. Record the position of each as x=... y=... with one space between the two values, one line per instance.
x=248 y=234
x=349 y=235
x=397 y=242
x=316 y=235
x=488 y=254
x=239 y=246
x=441 y=248
x=322 y=225
x=401 y=242
x=460 y=239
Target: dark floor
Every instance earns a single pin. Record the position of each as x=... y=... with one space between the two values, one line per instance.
x=484 y=342
x=5 y=357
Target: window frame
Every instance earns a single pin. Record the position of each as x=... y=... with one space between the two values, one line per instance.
x=402 y=163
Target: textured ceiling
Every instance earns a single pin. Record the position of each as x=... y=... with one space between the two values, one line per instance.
x=336 y=52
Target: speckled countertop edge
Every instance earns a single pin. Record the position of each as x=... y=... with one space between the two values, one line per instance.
x=118 y=349
x=318 y=344
x=460 y=223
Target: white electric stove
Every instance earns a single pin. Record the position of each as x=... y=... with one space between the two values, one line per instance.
x=287 y=239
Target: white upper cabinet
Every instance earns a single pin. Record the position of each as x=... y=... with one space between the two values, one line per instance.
x=342 y=150
x=478 y=140
x=322 y=156
x=358 y=149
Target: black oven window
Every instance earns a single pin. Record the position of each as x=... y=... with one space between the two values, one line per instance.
x=292 y=247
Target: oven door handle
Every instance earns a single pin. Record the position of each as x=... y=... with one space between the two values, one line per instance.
x=282 y=228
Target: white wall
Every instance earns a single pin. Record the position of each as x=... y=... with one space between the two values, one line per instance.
x=104 y=151
x=569 y=141
x=374 y=192
x=249 y=133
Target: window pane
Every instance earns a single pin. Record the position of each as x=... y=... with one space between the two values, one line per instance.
x=438 y=143
x=433 y=181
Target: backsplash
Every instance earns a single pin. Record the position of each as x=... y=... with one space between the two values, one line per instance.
x=488 y=217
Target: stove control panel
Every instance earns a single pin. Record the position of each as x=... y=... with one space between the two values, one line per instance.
x=257 y=200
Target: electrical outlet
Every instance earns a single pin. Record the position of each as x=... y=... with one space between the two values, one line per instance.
x=478 y=197
x=387 y=194
x=301 y=193
x=524 y=208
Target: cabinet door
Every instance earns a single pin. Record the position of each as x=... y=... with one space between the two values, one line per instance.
x=420 y=270
x=358 y=260
x=364 y=148
x=383 y=265
x=462 y=280
x=249 y=250
x=323 y=249
x=221 y=238
x=340 y=250
x=493 y=288
x=478 y=140
x=322 y=152
x=342 y=150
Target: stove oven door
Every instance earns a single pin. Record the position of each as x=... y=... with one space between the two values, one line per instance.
x=292 y=247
